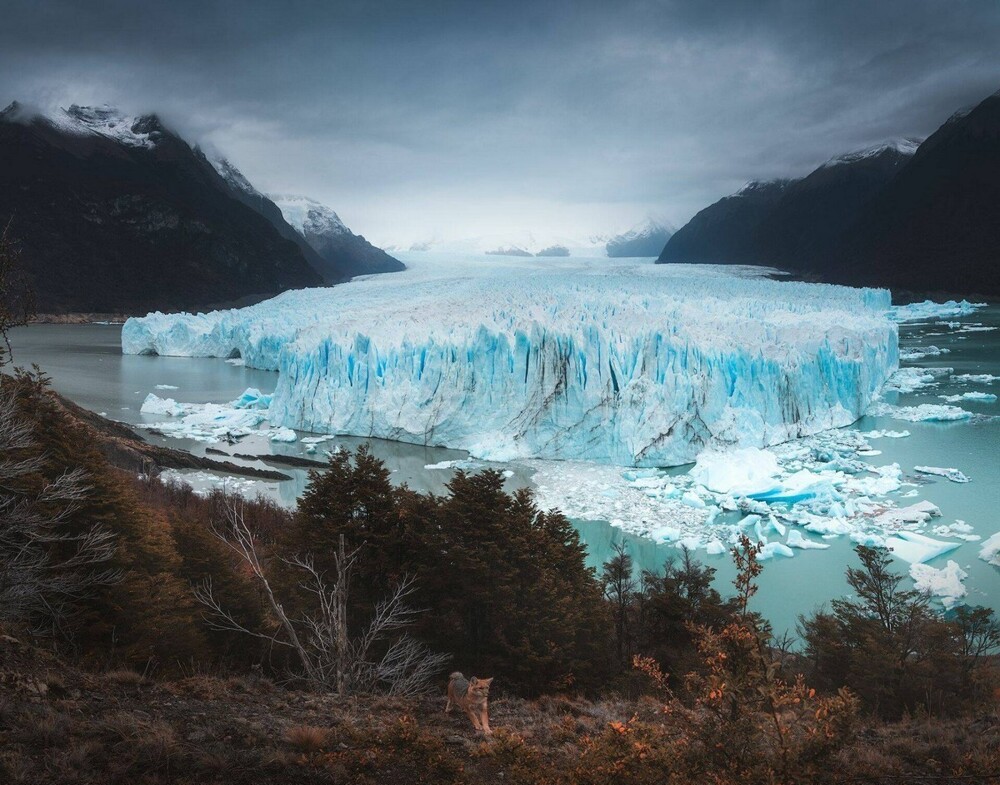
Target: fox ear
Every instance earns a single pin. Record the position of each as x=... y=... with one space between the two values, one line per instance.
x=473 y=680
x=488 y=681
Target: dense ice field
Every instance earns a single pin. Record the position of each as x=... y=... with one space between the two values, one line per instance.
x=611 y=361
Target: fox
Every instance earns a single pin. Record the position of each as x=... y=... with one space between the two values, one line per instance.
x=472 y=696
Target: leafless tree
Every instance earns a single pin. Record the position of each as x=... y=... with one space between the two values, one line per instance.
x=17 y=303
x=382 y=658
x=44 y=568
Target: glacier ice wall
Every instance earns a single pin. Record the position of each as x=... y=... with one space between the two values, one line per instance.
x=631 y=364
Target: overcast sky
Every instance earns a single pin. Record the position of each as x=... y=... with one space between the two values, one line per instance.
x=422 y=118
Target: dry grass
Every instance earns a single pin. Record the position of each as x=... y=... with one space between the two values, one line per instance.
x=126 y=677
x=307 y=738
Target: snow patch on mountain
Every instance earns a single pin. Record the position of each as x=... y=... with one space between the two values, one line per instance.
x=233 y=176
x=905 y=147
x=309 y=217
x=106 y=121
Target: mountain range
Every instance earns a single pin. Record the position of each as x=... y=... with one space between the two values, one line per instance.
x=117 y=213
x=918 y=217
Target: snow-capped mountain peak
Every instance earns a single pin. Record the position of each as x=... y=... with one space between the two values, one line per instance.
x=107 y=121
x=906 y=147
x=309 y=217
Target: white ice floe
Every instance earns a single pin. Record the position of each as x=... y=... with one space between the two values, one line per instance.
x=925 y=412
x=282 y=435
x=208 y=422
x=920 y=352
x=622 y=363
x=952 y=474
x=928 y=310
x=958 y=530
x=907 y=380
x=976 y=378
x=982 y=397
x=944 y=585
x=920 y=513
x=990 y=550
x=167 y=387
x=744 y=472
x=317 y=439
x=885 y=434
x=797 y=540
x=917 y=548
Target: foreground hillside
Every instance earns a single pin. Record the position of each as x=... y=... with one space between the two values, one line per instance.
x=61 y=725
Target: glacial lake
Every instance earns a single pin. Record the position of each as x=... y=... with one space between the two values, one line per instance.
x=86 y=364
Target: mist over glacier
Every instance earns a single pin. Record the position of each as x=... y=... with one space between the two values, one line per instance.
x=613 y=361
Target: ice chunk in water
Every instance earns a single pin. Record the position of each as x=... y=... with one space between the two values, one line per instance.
x=945 y=584
x=797 y=540
x=916 y=548
x=990 y=550
x=952 y=474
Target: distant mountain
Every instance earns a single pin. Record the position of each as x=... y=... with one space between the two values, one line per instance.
x=917 y=217
x=524 y=241
x=341 y=250
x=646 y=239
x=554 y=250
x=725 y=232
x=936 y=225
x=813 y=213
x=511 y=251
x=117 y=213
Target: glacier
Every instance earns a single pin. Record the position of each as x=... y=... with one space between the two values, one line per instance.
x=610 y=361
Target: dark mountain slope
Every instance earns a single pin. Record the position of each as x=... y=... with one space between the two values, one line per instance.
x=118 y=214
x=724 y=232
x=813 y=213
x=936 y=226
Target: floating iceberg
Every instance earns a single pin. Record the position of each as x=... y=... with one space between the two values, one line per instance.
x=944 y=585
x=976 y=378
x=917 y=548
x=627 y=364
x=920 y=352
x=984 y=397
x=990 y=550
x=744 y=472
x=208 y=422
x=797 y=540
x=908 y=380
x=941 y=471
x=929 y=310
x=925 y=412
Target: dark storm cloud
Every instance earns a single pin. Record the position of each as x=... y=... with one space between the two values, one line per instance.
x=420 y=117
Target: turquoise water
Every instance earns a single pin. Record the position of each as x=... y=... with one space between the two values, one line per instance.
x=86 y=364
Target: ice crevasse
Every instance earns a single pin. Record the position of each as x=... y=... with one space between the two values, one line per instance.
x=636 y=365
